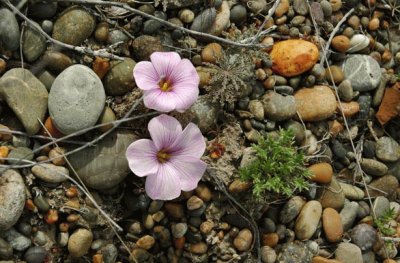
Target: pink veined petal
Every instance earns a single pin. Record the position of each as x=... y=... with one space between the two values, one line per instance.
x=164 y=130
x=186 y=96
x=159 y=100
x=146 y=77
x=185 y=74
x=189 y=169
x=142 y=157
x=164 y=185
x=190 y=143
x=165 y=62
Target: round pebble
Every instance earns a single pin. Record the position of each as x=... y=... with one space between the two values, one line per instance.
x=79 y=243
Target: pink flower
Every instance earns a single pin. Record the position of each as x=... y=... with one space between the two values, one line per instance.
x=169 y=82
x=171 y=160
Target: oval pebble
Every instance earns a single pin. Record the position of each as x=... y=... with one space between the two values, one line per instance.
x=79 y=243
x=50 y=173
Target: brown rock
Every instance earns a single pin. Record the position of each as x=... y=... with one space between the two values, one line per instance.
x=243 y=240
x=270 y=239
x=321 y=173
x=146 y=242
x=387 y=184
x=334 y=74
x=332 y=225
x=211 y=53
x=3 y=65
x=390 y=106
x=319 y=259
x=332 y=195
x=308 y=219
x=282 y=8
x=335 y=127
x=198 y=248
x=341 y=43
x=293 y=57
x=239 y=186
x=56 y=61
x=315 y=104
x=203 y=192
x=175 y=210
x=194 y=203
x=349 y=108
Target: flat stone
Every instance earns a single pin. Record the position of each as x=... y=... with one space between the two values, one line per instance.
x=33 y=44
x=296 y=251
x=352 y=192
x=291 y=209
x=26 y=96
x=332 y=225
x=105 y=165
x=364 y=236
x=119 y=79
x=386 y=184
x=43 y=9
x=387 y=149
x=76 y=99
x=380 y=206
x=308 y=219
x=79 y=243
x=293 y=57
x=358 y=42
x=315 y=104
x=332 y=195
x=363 y=72
x=19 y=154
x=50 y=173
x=301 y=7
x=9 y=30
x=12 y=198
x=204 y=114
x=373 y=167
x=348 y=253
x=278 y=107
x=17 y=241
x=74 y=26
x=349 y=214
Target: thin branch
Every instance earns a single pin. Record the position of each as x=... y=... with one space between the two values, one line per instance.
x=166 y=23
x=335 y=30
x=83 y=50
x=268 y=17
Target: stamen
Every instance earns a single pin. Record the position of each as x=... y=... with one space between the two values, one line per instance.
x=165 y=85
x=163 y=156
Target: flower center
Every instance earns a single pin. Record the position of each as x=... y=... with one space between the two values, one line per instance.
x=163 y=156
x=165 y=85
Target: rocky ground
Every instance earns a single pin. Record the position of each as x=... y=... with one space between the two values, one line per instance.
x=327 y=70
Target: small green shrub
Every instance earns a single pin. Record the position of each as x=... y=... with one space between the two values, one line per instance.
x=382 y=223
x=278 y=168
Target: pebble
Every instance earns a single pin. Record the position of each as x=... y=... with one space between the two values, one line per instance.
x=76 y=99
x=119 y=79
x=33 y=44
x=293 y=57
x=105 y=165
x=268 y=254
x=179 y=230
x=194 y=203
x=348 y=109
x=205 y=114
x=332 y=225
x=211 y=53
x=282 y=8
x=270 y=239
x=295 y=252
x=203 y=21
x=175 y=210
x=358 y=42
x=239 y=186
x=56 y=154
x=291 y=209
x=203 y=192
x=9 y=30
x=18 y=155
x=332 y=195
x=348 y=214
x=146 y=242
x=144 y=45
x=17 y=241
x=348 y=253
x=387 y=149
x=380 y=206
x=12 y=198
x=6 y=250
x=47 y=79
x=243 y=240
x=334 y=74
x=238 y=14
x=110 y=253
x=301 y=7
x=315 y=104
x=319 y=259
x=278 y=107
x=336 y=5
x=363 y=72
x=74 y=26
x=42 y=9
x=364 y=236
x=345 y=90
x=79 y=243
x=387 y=183
x=308 y=219
x=321 y=173
x=298 y=130
x=56 y=61
x=256 y=107
x=373 y=167
x=26 y=96
x=198 y=248
x=35 y=254
x=341 y=43
x=352 y=192
x=221 y=20
x=51 y=173
x=102 y=31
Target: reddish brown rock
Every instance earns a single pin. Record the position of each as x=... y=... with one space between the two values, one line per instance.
x=321 y=173
x=315 y=104
x=332 y=225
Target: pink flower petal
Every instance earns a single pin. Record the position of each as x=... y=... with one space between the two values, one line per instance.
x=146 y=77
x=190 y=170
x=165 y=62
x=190 y=143
x=142 y=157
x=185 y=97
x=185 y=74
x=160 y=100
x=164 y=185
x=164 y=130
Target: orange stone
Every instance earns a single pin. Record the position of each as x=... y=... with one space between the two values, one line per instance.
x=315 y=104
x=270 y=239
x=54 y=132
x=179 y=243
x=98 y=258
x=319 y=259
x=390 y=106
x=321 y=173
x=341 y=43
x=3 y=153
x=349 y=108
x=4 y=134
x=211 y=53
x=51 y=216
x=389 y=260
x=101 y=66
x=293 y=57
x=335 y=127
x=332 y=225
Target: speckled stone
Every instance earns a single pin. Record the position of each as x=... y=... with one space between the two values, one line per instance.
x=363 y=72
x=9 y=30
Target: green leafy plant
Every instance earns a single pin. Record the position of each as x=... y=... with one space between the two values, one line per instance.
x=383 y=222
x=278 y=167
